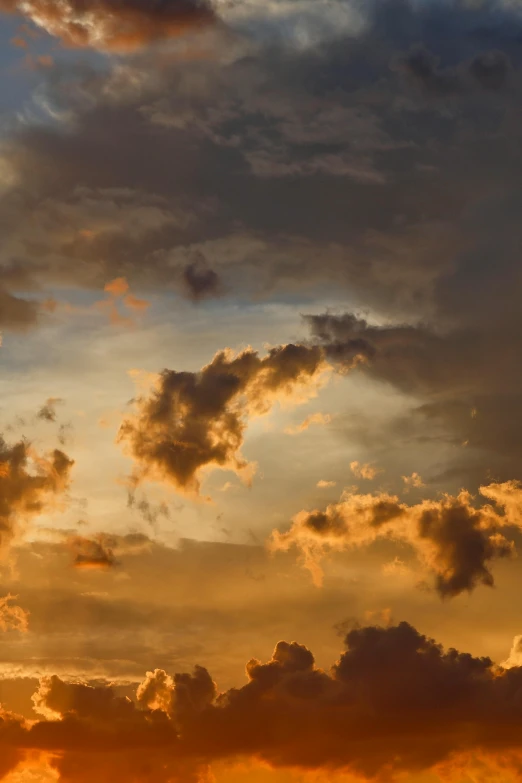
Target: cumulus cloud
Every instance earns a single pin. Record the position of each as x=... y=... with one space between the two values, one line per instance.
x=29 y=482
x=324 y=484
x=193 y=420
x=452 y=538
x=395 y=701
x=121 y=26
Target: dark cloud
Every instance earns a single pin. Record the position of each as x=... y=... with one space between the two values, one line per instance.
x=29 y=482
x=487 y=70
x=283 y=168
x=451 y=537
x=119 y=25
x=92 y=553
x=421 y=66
x=48 y=411
x=195 y=420
x=101 y=551
x=316 y=171
x=465 y=377
x=394 y=702
x=200 y=279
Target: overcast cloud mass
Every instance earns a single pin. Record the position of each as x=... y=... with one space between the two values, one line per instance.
x=261 y=410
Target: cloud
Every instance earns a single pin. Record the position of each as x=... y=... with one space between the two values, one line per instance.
x=394 y=702
x=12 y=617
x=16 y=313
x=123 y=25
x=119 y=293
x=335 y=116
x=48 y=411
x=92 y=553
x=100 y=551
x=488 y=70
x=322 y=484
x=452 y=538
x=366 y=471
x=194 y=420
x=29 y=482
x=413 y=481
x=200 y=280
x=313 y=418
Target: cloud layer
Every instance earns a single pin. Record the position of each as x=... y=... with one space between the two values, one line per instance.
x=394 y=702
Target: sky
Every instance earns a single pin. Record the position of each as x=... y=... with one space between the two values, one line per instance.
x=261 y=391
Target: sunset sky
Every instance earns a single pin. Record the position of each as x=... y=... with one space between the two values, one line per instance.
x=261 y=391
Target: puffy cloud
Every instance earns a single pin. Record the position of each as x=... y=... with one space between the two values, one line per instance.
x=12 y=616
x=451 y=537
x=28 y=483
x=395 y=701
x=366 y=471
x=193 y=420
x=122 y=25
x=324 y=484
x=414 y=481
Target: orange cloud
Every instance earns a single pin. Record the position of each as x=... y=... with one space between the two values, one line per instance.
x=394 y=702
x=12 y=617
x=118 y=291
x=366 y=471
x=122 y=26
x=450 y=537
x=117 y=287
x=313 y=418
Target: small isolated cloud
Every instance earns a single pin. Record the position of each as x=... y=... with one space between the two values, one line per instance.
x=200 y=280
x=48 y=411
x=103 y=550
x=366 y=471
x=92 y=553
x=414 y=481
x=322 y=484
x=313 y=418
x=119 y=296
x=12 y=617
